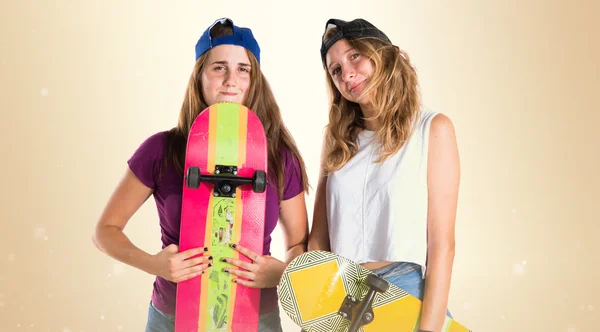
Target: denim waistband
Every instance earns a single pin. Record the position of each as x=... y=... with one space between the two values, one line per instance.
x=396 y=268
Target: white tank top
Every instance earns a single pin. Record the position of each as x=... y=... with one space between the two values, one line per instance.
x=378 y=212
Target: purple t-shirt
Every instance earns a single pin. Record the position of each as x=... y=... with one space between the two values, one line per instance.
x=145 y=164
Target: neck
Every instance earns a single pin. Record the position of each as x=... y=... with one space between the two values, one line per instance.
x=368 y=112
x=371 y=125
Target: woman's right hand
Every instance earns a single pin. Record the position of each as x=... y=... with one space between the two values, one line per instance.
x=176 y=266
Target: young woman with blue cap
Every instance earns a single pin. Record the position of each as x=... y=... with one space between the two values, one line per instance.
x=227 y=68
x=388 y=191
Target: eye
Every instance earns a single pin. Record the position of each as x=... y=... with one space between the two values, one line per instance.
x=354 y=56
x=218 y=68
x=335 y=71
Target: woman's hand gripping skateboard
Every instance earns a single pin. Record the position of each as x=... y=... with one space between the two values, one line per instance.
x=263 y=271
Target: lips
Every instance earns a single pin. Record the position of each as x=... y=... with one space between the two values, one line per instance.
x=229 y=93
x=358 y=85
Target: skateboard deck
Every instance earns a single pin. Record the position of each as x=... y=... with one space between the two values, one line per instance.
x=224 y=196
x=322 y=291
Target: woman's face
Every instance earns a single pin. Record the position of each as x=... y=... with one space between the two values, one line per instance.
x=226 y=75
x=349 y=70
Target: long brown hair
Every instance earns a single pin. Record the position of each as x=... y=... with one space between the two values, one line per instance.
x=393 y=91
x=260 y=100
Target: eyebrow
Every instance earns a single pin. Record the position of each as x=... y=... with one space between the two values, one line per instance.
x=345 y=52
x=225 y=62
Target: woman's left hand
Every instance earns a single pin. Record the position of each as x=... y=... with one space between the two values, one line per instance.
x=261 y=272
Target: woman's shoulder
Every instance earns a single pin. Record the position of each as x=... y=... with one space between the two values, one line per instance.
x=434 y=120
x=293 y=171
x=153 y=145
x=435 y=126
x=157 y=138
x=145 y=160
x=288 y=158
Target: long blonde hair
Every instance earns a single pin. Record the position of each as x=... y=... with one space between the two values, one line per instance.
x=393 y=91
x=260 y=100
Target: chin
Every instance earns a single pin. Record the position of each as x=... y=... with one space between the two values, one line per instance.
x=351 y=99
x=229 y=100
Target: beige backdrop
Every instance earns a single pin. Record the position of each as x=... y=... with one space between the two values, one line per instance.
x=82 y=83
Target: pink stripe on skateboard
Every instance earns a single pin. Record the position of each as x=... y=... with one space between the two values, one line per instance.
x=194 y=211
x=246 y=310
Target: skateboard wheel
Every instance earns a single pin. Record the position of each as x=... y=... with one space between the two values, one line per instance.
x=259 y=181
x=376 y=283
x=193 y=177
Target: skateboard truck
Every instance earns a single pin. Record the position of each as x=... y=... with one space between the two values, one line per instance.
x=360 y=313
x=225 y=180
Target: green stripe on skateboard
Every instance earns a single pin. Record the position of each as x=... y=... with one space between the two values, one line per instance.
x=219 y=293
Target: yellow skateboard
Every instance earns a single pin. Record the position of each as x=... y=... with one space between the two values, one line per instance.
x=321 y=291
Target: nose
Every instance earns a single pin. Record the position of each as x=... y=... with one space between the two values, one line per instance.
x=230 y=79
x=348 y=73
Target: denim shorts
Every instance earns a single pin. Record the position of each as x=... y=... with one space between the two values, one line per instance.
x=407 y=276
x=159 y=321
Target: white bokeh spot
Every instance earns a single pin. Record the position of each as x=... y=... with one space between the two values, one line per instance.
x=518 y=269
x=11 y=257
x=44 y=92
x=572 y=328
x=39 y=232
x=590 y=307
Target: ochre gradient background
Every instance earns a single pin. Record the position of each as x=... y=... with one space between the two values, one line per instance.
x=83 y=83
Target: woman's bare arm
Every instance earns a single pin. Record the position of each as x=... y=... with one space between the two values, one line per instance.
x=443 y=182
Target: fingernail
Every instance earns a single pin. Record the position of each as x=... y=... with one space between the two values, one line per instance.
x=205 y=248
x=210 y=257
x=233 y=245
x=226 y=270
x=224 y=260
x=235 y=280
x=209 y=264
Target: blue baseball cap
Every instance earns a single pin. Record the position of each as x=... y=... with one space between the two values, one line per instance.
x=241 y=37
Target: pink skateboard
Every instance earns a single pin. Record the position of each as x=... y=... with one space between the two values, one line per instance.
x=223 y=202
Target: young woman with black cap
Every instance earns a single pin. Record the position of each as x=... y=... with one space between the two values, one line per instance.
x=388 y=191
x=227 y=68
